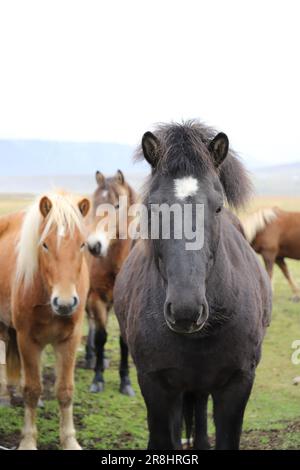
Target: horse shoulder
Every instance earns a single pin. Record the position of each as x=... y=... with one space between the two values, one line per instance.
x=130 y=284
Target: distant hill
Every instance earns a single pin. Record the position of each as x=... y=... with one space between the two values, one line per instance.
x=33 y=158
x=83 y=184
x=281 y=179
x=30 y=166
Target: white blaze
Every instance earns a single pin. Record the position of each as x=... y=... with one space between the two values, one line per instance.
x=185 y=187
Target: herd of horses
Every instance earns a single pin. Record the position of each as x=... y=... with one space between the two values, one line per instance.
x=193 y=320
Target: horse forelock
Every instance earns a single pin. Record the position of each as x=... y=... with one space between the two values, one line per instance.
x=64 y=216
x=183 y=152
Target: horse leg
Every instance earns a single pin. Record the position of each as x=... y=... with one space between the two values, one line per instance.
x=164 y=412
x=229 y=406
x=89 y=349
x=125 y=387
x=4 y=395
x=201 y=441
x=30 y=355
x=100 y=315
x=295 y=289
x=269 y=260
x=65 y=364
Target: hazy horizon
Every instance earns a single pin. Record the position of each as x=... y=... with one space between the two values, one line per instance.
x=37 y=157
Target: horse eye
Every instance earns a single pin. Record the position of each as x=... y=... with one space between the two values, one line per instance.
x=82 y=247
x=45 y=246
x=219 y=210
x=117 y=206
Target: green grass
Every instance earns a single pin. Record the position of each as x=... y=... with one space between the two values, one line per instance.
x=112 y=421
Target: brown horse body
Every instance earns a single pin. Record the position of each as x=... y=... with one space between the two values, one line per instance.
x=107 y=255
x=43 y=289
x=275 y=234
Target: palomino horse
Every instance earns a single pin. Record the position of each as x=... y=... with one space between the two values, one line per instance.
x=275 y=234
x=108 y=252
x=194 y=318
x=43 y=290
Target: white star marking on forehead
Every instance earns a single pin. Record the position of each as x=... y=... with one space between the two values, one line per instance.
x=185 y=187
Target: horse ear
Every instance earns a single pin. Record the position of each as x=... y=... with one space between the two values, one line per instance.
x=120 y=177
x=45 y=206
x=84 y=206
x=219 y=147
x=150 y=145
x=100 y=178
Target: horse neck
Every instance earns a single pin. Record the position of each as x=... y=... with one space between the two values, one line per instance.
x=35 y=294
x=117 y=253
x=221 y=273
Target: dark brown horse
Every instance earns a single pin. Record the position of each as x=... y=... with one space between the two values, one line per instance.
x=275 y=234
x=108 y=253
x=194 y=319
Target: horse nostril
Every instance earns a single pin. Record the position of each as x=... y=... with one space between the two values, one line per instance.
x=55 y=302
x=75 y=302
x=202 y=316
x=96 y=249
x=170 y=314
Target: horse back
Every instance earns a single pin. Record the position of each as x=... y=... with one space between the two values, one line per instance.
x=281 y=236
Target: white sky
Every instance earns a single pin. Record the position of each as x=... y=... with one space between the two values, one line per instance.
x=106 y=70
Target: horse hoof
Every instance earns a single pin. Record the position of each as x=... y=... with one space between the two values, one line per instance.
x=202 y=445
x=106 y=363
x=27 y=444
x=97 y=387
x=127 y=390
x=71 y=444
x=295 y=298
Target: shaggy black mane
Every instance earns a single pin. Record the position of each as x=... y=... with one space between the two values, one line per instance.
x=183 y=151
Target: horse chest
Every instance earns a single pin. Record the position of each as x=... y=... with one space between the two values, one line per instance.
x=103 y=285
x=45 y=328
x=194 y=364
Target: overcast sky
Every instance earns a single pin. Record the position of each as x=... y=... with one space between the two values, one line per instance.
x=107 y=70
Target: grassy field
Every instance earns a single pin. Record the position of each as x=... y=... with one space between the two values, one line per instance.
x=113 y=421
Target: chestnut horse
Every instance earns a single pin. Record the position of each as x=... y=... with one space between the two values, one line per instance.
x=44 y=283
x=275 y=234
x=108 y=252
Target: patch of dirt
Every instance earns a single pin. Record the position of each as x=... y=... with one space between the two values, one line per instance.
x=271 y=439
x=11 y=441
x=251 y=440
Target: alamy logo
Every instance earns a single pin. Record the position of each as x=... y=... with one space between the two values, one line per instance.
x=296 y=354
x=156 y=221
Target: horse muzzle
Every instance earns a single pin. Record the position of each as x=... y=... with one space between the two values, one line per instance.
x=64 y=308
x=187 y=319
x=95 y=249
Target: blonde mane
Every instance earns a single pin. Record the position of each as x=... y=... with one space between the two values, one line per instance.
x=257 y=221
x=64 y=215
